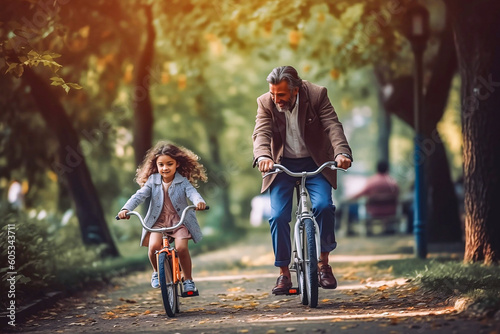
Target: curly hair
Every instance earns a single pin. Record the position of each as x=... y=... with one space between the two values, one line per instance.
x=188 y=164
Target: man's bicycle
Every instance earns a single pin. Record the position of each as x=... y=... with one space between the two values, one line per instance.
x=307 y=243
x=169 y=269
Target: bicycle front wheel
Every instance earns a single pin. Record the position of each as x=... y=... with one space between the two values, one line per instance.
x=310 y=262
x=168 y=288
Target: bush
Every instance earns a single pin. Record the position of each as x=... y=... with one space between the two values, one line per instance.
x=41 y=258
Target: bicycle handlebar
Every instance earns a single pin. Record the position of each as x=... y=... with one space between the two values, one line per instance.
x=280 y=168
x=163 y=229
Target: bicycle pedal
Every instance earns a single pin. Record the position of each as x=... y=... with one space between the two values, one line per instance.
x=190 y=293
x=289 y=292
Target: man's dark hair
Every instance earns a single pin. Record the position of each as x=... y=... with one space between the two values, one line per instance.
x=382 y=167
x=287 y=73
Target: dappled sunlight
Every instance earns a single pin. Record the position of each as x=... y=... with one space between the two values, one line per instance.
x=383 y=315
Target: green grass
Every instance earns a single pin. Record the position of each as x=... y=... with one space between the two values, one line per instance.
x=453 y=278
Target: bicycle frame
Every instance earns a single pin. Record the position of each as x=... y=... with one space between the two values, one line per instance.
x=303 y=211
x=176 y=273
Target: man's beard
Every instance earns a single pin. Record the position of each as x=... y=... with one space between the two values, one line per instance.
x=288 y=106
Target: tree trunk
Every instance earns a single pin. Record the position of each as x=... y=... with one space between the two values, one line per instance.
x=72 y=166
x=214 y=123
x=143 y=110
x=477 y=39
x=226 y=220
x=384 y=124
x=443 y=213
x=444 y=218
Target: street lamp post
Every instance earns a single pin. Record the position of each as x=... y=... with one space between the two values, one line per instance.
x=417 y=32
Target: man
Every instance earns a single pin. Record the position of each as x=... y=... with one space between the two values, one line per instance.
x=297 y=126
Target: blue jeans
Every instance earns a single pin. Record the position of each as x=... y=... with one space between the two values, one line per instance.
x=320 y=193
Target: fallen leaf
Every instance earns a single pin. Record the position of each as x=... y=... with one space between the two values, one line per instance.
x=349 y=326
x=128 y=300
x=196 y=309
x=77 y=324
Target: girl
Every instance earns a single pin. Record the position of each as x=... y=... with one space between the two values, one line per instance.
x=167 y=176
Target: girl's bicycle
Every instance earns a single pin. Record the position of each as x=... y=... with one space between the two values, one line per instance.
x=307 y=247
x=169 y=269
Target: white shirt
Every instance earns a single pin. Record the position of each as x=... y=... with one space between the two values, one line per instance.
x=295 y=147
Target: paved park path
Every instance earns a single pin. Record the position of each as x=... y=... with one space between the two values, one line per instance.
x=235 y=284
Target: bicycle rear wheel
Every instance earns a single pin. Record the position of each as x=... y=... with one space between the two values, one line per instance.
x=310 y=263
x=168 y=288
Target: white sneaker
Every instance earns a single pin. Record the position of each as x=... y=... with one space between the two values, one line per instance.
x=155 y=282
x=188 y=285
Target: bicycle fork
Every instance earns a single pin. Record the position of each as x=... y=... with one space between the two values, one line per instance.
x=305 y=214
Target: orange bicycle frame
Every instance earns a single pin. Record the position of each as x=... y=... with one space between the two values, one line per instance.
x=172 y=253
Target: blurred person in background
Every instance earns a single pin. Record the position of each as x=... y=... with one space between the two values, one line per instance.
x=15 y=195
x=381 y=192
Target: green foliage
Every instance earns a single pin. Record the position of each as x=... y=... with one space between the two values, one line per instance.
x=57 y=81
x=43 y=260
x=17 y=59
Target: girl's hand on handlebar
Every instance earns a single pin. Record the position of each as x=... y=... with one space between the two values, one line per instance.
x=201 y=206
x=265 y=165
x=123 y=214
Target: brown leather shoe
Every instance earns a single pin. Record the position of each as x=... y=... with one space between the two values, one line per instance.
x=326 y=278
x=283 y=284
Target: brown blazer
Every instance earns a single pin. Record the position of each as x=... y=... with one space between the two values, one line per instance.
x=319 y=125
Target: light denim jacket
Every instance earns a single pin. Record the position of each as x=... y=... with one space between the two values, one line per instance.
x=179 y=191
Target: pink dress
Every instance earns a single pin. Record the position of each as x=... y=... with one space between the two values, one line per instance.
x=168 y=217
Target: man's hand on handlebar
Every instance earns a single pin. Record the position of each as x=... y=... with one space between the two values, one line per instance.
x=343 y=161
x=265 y=165
x=123 y=214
